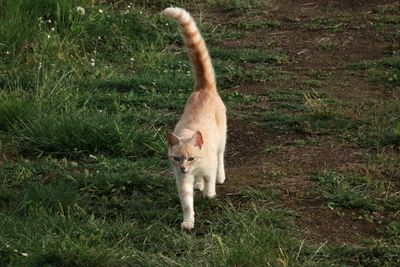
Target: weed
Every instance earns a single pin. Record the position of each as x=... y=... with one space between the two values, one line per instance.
x=316 y=104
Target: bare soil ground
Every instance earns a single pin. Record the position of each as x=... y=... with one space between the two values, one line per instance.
x=293 y=166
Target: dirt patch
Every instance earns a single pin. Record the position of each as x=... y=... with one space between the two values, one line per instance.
x=317 y=34
x=324 y=38
x=320 y=36
x=321 y=225
x=245 y=141
x=311 y=159
x=289 y=171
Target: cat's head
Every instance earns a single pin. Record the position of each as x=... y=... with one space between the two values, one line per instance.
x=184 y=153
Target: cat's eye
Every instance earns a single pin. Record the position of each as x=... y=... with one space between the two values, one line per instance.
x=190 y=159
x=177 y=159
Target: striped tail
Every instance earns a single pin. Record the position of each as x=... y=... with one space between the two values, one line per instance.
x=196 y=47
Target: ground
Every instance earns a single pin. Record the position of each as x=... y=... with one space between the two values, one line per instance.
x=248 y=164
x=312 y=161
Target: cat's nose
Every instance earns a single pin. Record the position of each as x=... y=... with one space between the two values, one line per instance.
x=183 y=170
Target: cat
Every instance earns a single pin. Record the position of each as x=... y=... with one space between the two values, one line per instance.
x=197 y=145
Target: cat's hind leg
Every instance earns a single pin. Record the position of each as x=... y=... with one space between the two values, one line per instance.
x=221 y=168
x=199 y=183
x=209 y=184
x=220 y=158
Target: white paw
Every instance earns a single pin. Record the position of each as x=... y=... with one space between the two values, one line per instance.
x=220 y=180
x=209 y=195
x=198 y=186
x=187 y=225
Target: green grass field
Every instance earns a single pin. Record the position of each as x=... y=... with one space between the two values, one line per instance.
x=88 y=94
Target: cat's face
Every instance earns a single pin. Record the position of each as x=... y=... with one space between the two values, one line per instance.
x=184 y=154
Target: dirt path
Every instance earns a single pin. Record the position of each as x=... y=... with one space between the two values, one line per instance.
x=321 y=37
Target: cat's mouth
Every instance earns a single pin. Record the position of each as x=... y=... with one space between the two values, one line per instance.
x=183 y=170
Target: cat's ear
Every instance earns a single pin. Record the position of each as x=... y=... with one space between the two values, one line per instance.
x=197 y=139
x=172 y=139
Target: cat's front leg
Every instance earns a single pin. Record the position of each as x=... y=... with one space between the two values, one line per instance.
x=184 y=184
x=209 y=185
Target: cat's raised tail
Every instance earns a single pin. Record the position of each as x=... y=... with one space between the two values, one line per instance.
x=196 y=47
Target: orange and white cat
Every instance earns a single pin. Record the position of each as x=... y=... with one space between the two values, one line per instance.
x=196 y=147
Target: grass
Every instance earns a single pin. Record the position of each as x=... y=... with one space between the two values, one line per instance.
x=256 y=22
x=315 y=114
x=309 y=113
x=356 y=191
x=334 y=25
x=104 y=211
x=385 y=71
x=85 y=102
x=82 y=102
x=241 y=5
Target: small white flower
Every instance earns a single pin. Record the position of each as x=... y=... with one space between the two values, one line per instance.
x=7 y=52
x=94 y=52
x=99 y=38
x=166 y=24
x=132 y=59
x=92 y=62
x=24 y=254
x=53 y=29
x=48 y=36
x=101 y=11
x=81 y=10
x=49 y=21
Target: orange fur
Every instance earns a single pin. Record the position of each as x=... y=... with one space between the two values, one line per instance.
x=196 y=47
x=197 y=145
